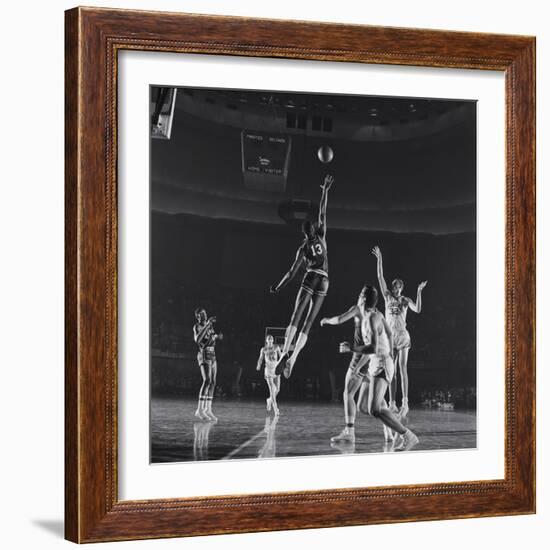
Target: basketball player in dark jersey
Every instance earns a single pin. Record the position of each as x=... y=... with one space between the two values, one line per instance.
x=312 y=253
x=205 y=337
x=357 y=370
x=396 y=316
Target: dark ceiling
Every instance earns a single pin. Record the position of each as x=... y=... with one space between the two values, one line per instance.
x=400 y=164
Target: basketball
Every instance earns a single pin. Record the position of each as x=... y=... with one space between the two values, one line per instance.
x=325 y=154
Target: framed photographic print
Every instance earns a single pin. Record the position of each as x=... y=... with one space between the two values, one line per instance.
x=300 y=275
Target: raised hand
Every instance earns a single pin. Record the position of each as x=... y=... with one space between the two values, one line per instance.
x=273 y=289
x=327 y=183
x=422 y=285
x=377 y=252
x=324 y=321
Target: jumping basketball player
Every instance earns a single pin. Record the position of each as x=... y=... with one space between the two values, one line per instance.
x=396 y=316
x=312 y=252
x=378 y=345
x=356 y=373
x=270 y=354
x=205 y=337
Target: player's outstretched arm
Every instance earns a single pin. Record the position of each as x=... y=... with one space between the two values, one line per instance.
x=291 y=273
x=322 y=220
x=260 y=360
x=417 y=306
x=339 y=319
x=346 y=347
x=380 y=270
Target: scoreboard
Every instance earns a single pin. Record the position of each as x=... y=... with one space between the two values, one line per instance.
x=265 y=160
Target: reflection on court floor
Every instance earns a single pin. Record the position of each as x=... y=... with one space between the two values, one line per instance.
x=245 y=430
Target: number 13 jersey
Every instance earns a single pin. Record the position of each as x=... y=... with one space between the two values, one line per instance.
x=315 y=254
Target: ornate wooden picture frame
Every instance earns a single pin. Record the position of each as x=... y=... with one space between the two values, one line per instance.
x=94 y=37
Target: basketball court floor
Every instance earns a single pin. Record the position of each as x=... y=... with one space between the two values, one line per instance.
x=245 y=430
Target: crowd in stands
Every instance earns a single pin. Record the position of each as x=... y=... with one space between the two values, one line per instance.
x=227 y=267
x=243 y=315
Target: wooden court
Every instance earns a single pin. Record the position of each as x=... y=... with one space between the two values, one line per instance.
x=245 y=430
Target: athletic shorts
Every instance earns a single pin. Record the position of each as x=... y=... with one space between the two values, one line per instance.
x=206 y=357
x=269 y=371
x=359 y=365
x=381 y=366
x=315 y=284
x=401 y=339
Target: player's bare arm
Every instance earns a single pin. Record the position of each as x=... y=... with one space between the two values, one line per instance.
x=291 y=273
x=260 y=359
x=322 y=220
x=346 y=347
x=352 y=312
x=417 y=306
x=380 y=270
x=200 y=332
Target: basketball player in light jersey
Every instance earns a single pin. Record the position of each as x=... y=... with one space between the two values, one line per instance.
x=205 y=337
x=381 y=369
x=270 y=355
x=396 y=316
x=357 y=370
x=312 y=253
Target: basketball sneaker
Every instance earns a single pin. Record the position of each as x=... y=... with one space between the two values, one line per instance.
x=282 y=363
x=287 y=371
x=408 y=441
x=211 y=417
x=346 y=435
x=209 y=414
x=201 y=415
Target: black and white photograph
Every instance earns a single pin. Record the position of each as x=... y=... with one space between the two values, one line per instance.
x=274 y=274
x=312 y=274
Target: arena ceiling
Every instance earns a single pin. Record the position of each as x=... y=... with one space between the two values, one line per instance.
x=401 y=164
